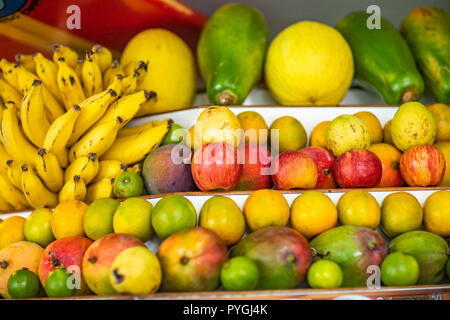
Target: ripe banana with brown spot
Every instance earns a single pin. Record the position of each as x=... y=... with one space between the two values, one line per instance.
x=108 y=169
x=59 y=134
x=110 y=74
x=14 y=140
x=26 y=60
x=97 y=140
x=4 y=205
x=69 y=85
x=136 y=68
x=47 y=71
x=61 y=51
x=49 y=170
x=134 y=148
x=12 y=195
x=86 y=167
x=33 y=116
x=9 y=93
x=91 y=75
x=103 y=56
x=100 y=189
x=35 y=191
x=4 y=157
x=14 y=173
x=9 y=73
x=73 y=189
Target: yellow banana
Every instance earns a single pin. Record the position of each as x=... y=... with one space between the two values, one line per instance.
x=47 y=71
x=91 y=75
x=9 y=73
x=49 y=170
x=27 y=61
x=100 y=189
x=12 y=195
x=33 y=117
x=14 y=173
x=97 y=140
x=69 y=85
x=8 y=93
x=73 y=189
x=108 y=169
x=59 y=133
x=4 y=157
x=92 y=109
x=35 y=191
x=126 y=107
x=78 y=67
x=127 y=131
x=110 y=74
x=4 y=205
x=103 y=56
x=134 y=148
x=137 y=168
x=137 y=69
x=61 y=51
x=14 y=140
x=86 y=167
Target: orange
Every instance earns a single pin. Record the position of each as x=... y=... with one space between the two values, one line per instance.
x=254 y=127
x=266 y=207
x=373 y=124
x=444 y=146
x=436 y=213
x=390 y=161
x=359 y=208
x=12 y=230
x=291 y=134
x=318 y=136
x=387 y=136
x=67 y=219
x=312 y=213
x=223 y=216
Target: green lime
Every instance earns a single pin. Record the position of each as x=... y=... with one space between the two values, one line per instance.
x=133 y=217
x=23 y=284
x=325 y=274
x=239 y=274
x=58 y=284
x=98 y=218
x=172 y=214
x=38 y=229
x=399 y=269
x=128 y=184
x=175 y=134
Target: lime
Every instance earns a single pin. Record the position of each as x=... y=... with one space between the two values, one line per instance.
x=175 y=134
x=172 y=214
x=399 y=269
x=57 y=284
x=239 y=274
x=325 y=274
x=98 y=218
x=23 y=284
x=133 y=217
x=38 y=228
x=128 y=184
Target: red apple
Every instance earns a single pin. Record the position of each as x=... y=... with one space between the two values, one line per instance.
x=67 y=252
x=324 y=160
x=422 y=166
x=294 y=170
x=99 y=257
x=256 y=174
x=215 y=167
x=357 y=168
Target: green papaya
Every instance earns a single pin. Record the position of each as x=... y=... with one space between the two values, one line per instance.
x=427 y=32
x=430 y=250
x=231 y=52
x=382 y=58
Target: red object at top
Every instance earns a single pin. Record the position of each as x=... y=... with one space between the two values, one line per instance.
x=110 y=23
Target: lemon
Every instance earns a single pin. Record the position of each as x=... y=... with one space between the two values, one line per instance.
x=38 y=228
x=217 y=124
x=98 y=219
x=436 y=212
x=223 y=216
x=133 y=217
x=11 y=230
x=309 y=63
x=171 y=71
x=67 y=219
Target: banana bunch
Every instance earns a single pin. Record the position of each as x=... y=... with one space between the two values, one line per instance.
x=62 y=126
